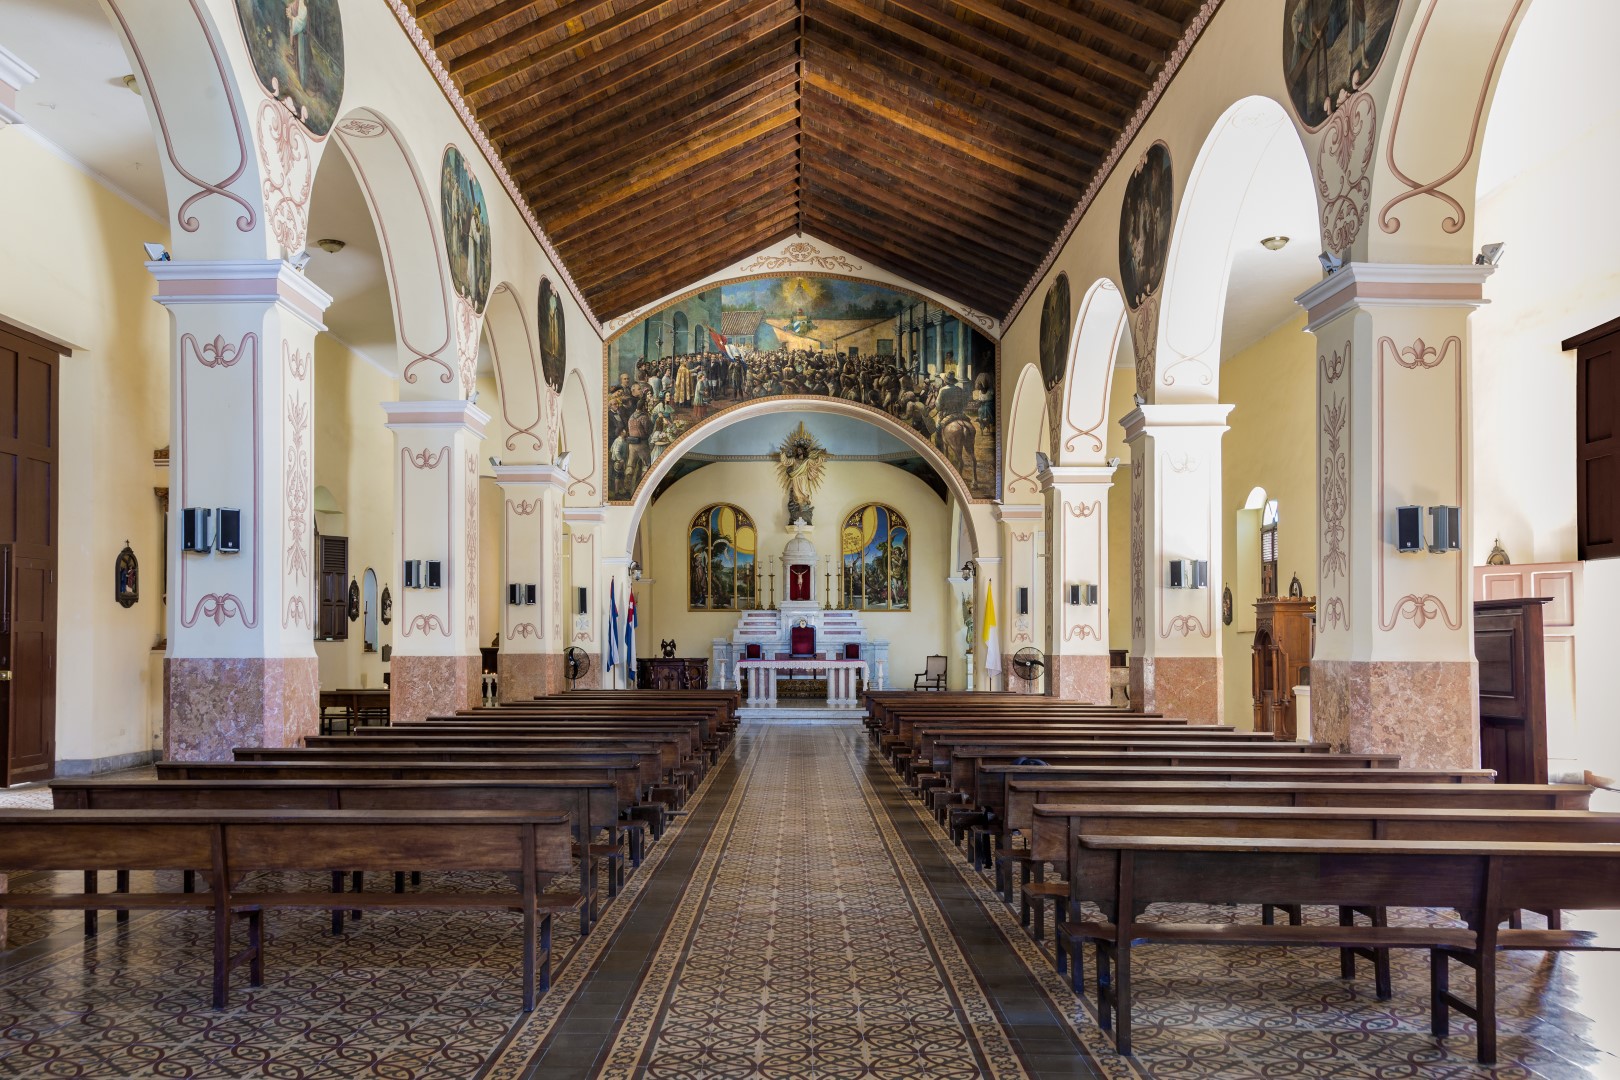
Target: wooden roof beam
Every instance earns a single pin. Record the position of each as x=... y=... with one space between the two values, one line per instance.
x=878 y=100
x=958 y=290
x=1050 y=98
x=639 y=287
x=920 y=245
x=732 y=173
x=547 y=95
x=659 y=233
x=571 y=41
x=775 y=49
x=711 y=127
x=825 y=57
x=1084 y=55
x=563 y=161
x=667 y=167
x=897 y=223
x=1154 y=52
x=1144 y=17
x=633 y=258
x=491 y=15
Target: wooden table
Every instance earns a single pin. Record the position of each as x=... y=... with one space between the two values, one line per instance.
x=357 y=706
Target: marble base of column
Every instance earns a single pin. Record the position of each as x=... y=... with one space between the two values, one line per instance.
x=1078 y=678
x=425 y=686
x=211 y=706
x=526 y=676
x=1179 y=687
x=1426 y=711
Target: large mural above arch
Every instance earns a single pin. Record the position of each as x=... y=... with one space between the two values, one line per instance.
x=297 y=51
x=800 y=335
x=466 y=229
x=1330 y=49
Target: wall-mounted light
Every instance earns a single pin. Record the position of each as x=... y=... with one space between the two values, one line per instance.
x=1409 y=529
x=230 y=531
x=299 y=260
x=1445 y=530
x=194 y=529
x=1330 y=262
x=155 y=253
x=968 y=569
x=1082 y=595
x=331 y=245
x=635 y=571
x=1188 y=574
x=1489 y=255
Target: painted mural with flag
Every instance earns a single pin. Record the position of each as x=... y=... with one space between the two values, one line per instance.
x=721 y=344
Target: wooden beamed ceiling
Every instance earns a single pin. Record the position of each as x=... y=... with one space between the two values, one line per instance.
x=659 y=141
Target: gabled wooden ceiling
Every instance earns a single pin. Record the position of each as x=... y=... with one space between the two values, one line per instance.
x=659 y=141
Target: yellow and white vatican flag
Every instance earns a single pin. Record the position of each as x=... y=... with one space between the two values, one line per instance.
x=992 y=636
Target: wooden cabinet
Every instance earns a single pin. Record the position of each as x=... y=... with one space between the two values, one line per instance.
x=1509 y=644
x=673 y=673
x=1284 y=627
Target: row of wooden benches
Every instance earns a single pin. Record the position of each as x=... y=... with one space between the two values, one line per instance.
x=526 y=793
x=1135 y=809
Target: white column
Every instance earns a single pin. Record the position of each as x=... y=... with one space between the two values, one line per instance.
x=532 y=635
x=1077 y=554
x=585 y=630
x=240 y=668
x=436 y=666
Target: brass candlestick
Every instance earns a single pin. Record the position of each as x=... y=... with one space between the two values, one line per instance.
x=772 y=576
x=826 y=590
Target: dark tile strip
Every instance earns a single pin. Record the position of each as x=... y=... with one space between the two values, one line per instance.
x=1042 y=1036
x=575 y=1047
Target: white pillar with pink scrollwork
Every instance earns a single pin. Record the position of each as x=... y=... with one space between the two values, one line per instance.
x=1175 y=516
x=435 y=667
x=1076 y=563
x=240 y=668
x=1393 y=669
x=532 y=628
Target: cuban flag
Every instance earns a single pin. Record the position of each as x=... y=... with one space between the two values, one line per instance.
x=612 y=660
x=719 y=340
x=630 y=643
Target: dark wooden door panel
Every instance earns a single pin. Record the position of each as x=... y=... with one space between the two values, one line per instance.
x=1597 y=469
x=29 y=430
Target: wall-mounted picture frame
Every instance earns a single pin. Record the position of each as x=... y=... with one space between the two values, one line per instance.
x=127 y=578
x=354 y=600
x=1226 y=606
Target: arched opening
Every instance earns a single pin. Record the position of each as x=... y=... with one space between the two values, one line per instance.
x=1099 y=328
x=682 y=336
x=368 y=600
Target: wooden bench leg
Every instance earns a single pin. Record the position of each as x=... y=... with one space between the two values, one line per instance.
x=399 y=881
x=545 y=951
x=256 y=944
x=122 y=885
x=1105 y=985
x=188 y=881
x=1485 y=998
x=92 y=886
x=1122 y=992
x=359 y=878
x=1439 y=990
x=337 y=913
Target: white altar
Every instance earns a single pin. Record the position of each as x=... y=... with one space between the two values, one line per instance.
x=760 y=677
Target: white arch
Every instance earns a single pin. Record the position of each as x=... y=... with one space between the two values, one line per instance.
x=1251 y=169
x=514 y=350
x=406 y=219
x=1094 y=343
x=1026 y=436
x=584 y=483
x=832 y=406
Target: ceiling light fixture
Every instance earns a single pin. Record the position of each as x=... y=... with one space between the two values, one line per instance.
x=331 y=246
x=1274 y=243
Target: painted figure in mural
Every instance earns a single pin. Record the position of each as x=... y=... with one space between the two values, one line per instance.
x=638 y=436
x=816 y=337
x=1055 y=332
x=466 y=229
x=297 y=52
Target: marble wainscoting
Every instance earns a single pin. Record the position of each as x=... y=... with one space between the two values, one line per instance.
x=213 y=705
x=1425 y=711
x=1183 y=687
x=526 y=676
x=425 y=686
x=1078 y=678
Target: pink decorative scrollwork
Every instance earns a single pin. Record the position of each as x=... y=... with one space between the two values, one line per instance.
x=295 y=563
x=289 y=174
x=1344 y=170
x=218 y=607
x=1419 y=355
x=1421 y=610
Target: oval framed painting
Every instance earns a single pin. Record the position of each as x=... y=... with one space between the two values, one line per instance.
x=1055 y=330
x=297 y=52
x=466 y=228
x=553 y=337
x=1144 y=225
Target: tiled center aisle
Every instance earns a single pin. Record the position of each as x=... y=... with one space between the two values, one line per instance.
x=808 y=943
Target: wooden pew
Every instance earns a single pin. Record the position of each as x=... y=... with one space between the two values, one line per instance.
x=1486 y=880
x=646 y=761
x=675 y=752
x=226 y=844
x=991 y=784
x=590 y=805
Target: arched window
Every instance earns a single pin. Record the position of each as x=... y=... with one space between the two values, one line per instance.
x=683 y=344
x=1268 y=550
x=721 y=572
x=877 y=559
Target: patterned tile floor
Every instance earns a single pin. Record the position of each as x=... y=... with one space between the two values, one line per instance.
x=804 y=919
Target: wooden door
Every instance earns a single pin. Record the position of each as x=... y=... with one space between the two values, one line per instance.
x=29 y=410
x=1597 y=435
x=1508 y=643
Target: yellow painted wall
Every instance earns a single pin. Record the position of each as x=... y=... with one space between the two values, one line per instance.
x=752 y=485
x=1271 y=444
x=73 y=271
x=354 y=460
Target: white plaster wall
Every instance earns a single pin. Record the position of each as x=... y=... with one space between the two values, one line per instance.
x=73 y=271
x=354 y=460
x=752 y=485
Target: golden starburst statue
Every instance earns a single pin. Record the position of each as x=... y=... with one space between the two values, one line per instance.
x=801 y=461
